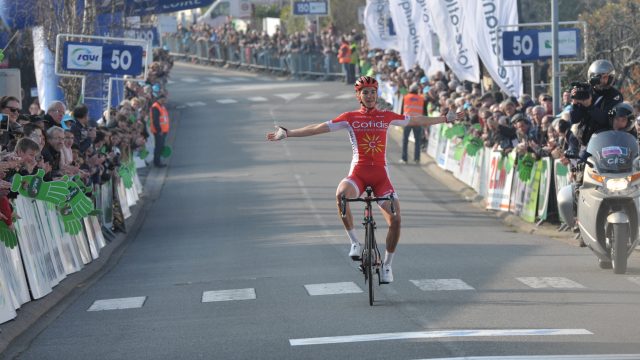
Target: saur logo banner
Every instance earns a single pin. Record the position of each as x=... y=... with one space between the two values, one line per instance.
x=84 y=57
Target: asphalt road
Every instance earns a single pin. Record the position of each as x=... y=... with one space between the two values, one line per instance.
x=231 y=254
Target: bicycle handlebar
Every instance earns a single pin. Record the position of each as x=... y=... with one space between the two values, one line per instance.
x=368 y=200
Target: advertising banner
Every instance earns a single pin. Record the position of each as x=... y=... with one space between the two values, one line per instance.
x=379 y=27
x=405 y=15
x=452 y=22
x=545 y=188
x=103 y=58
x=489 y=15
x=427 y=57
x=501 y=172
x=531 y=194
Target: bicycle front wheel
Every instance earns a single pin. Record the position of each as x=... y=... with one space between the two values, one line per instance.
x=370 y=259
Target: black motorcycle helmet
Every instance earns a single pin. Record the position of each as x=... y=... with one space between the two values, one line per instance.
x=623 y=109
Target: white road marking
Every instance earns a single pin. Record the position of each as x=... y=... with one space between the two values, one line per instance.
x=189 y=80
x=549 y=357
x=333 y=288
x=634 y=279
x=118 y=304
x=437 y=335
x=227 y=101
x=258 y=99
x=441 y=284
x=169 y=82
x=288 y=96
x=550 y=282
x=218 y=80
x=345 y=96
x=196 y=104
x=229 y=295
x=317 y=95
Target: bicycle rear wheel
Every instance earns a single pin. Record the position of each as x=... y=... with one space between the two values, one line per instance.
x=370 y=259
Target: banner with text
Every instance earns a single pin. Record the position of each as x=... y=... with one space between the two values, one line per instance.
x=405 y=15
x=378 y=25
x=453 y=23
x=489 y=14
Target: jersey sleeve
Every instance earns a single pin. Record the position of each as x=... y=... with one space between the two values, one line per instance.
x=341 y=122
x=397 y=119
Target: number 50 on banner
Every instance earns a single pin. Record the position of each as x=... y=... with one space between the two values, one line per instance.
x=103 y=58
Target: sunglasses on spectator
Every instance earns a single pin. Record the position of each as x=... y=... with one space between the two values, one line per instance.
x=12 y=109
x=546 y=99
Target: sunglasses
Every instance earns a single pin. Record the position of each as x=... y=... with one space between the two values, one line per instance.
x=12 y=109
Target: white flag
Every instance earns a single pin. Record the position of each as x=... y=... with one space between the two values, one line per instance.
x=455 y=33
x=405 y=14
x=379 y=26
x=427 y=54
x=489 y=15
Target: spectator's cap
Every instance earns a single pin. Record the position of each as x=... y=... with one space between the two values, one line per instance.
x=67 y=121
x=517 y=118
x=388 y=52
x=414 y=88
x=452 y=84
x=426 y=89
x=424 y=80
x=460 y=89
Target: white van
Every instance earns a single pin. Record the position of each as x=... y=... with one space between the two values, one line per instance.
x=220 y=11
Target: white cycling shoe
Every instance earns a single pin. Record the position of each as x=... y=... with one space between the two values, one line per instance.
x=386 y=274
x=356 y=252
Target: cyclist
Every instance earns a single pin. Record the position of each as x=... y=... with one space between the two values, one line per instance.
x=367 y=129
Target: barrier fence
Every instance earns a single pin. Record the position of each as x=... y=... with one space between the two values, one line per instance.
x=296 y=64
x=46 y=253
x=503 y=184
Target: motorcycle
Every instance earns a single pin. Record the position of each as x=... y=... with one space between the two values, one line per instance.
x=607 y=200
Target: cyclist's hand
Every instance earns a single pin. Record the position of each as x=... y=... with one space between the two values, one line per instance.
x=279 y=134
x=452 y=116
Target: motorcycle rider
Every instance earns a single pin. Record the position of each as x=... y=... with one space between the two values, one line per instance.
x=591 y=104
x=622 y=118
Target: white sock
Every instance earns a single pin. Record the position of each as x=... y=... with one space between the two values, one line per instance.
x=388 y=258
x=352 y=236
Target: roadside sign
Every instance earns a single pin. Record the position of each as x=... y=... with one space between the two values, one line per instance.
x=102 y=58
x=316 y=8
x=536 y=44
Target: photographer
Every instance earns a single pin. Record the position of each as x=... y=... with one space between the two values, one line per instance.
x=591 y=102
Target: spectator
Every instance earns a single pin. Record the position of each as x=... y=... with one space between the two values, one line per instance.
x=54 y=114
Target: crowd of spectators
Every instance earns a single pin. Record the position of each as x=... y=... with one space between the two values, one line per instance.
x=63 y=140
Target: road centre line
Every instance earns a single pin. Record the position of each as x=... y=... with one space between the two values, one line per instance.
x=437 y=335
x=550 y=357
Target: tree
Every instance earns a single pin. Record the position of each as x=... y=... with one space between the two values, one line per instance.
x=614 y=34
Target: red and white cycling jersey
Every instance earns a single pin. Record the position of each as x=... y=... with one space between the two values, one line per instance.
x=368 y=133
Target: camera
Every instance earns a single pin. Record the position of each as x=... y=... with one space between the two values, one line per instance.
x=583 y=90
x=570 y=154
x=595 y=80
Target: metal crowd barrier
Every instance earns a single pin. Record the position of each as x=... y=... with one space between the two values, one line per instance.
x=298 y=64
x=46 y=254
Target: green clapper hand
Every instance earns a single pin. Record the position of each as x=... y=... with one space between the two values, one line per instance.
x=72 y=225
x=84 y=188
x=34 y=186
x=166 y=151
x=125 y=174
x=473 y=146
x=143 y=153
x=456 y=130
x=8 y=236
x=458 y=152
x=524 y=167
x=78 y=204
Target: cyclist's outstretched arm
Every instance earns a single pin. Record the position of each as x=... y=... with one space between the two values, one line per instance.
x=421 y=120
x=309 y=130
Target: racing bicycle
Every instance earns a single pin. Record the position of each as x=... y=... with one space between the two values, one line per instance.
x=370 y=260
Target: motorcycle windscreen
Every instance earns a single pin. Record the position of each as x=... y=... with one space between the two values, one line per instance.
x=613 y=151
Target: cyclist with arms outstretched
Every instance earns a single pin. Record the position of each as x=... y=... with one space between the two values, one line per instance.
x=367 y=129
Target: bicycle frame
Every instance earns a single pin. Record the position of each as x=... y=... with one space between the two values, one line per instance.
x=370 y=260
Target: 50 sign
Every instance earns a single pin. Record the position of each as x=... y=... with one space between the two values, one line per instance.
x=103 y=58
